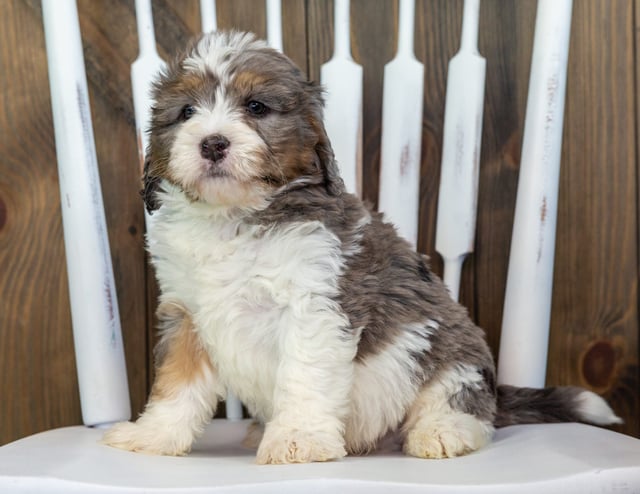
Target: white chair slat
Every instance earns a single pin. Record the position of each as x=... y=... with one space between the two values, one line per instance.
x=208 y=15
x=274 y=24
x=522 y=360
x=342 y=79
x=402 y=103
x=460 y=170
x=102 y=373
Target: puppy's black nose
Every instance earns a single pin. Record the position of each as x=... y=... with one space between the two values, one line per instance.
x=214 y=147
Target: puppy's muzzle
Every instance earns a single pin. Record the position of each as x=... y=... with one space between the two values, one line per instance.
x=214 y=147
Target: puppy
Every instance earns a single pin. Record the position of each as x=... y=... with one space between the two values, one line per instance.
x=280 y=286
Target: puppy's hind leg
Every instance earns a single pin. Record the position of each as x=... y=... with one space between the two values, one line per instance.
x=183 y=397
x=452 y=415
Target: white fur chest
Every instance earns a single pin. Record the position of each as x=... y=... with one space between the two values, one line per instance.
x=253 y=291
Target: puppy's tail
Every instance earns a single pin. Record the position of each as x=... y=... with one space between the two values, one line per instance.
x=556 y=404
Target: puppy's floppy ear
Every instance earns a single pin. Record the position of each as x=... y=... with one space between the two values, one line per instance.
x=327 y=163
x=150 y=185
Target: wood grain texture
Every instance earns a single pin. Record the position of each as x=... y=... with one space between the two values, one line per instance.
x=634 y=391
x=37 y=375
x=38 y=365
x=250 y=15
x=594 y=325
x=506 y=40
x=594 y=332
x=438 y=29
x=108 y=57
x=373 y=41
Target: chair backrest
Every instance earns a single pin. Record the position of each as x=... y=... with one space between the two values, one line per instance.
x=104 y=393
x=534 y=231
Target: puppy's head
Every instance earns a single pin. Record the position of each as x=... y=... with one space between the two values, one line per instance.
x=235 y=121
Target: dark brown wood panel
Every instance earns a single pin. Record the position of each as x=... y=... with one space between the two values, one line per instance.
x=634 y=393
x=505 y=40
x=636 y=61
x=372 y=45
x=249 y=15
x=37 y=369
x=108 y=57
x=594 y=325
x=438 y=28
x=294 y=32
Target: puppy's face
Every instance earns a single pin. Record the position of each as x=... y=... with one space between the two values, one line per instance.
x=233 y=122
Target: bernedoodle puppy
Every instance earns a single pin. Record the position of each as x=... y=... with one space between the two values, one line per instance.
x=280 y=286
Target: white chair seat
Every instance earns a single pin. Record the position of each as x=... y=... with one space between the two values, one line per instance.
x=567 y=458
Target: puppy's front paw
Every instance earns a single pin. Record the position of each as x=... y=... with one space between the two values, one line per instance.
x=280 y=446
x=447 y=436
x=134 y=436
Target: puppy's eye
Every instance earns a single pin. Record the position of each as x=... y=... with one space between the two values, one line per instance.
x=256 y=108
x=187 y=112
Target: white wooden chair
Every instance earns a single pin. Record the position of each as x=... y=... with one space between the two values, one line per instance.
x=567 y=458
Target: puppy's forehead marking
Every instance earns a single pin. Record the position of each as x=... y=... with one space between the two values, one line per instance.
x=219 y=54
x=199 y=86
x=245 y=68
x=178 y=89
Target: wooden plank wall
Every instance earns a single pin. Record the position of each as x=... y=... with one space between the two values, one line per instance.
x=594 y=327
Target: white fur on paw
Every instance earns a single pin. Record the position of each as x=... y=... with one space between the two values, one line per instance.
x=447 y=436
x=132 y=436
x=280 y=446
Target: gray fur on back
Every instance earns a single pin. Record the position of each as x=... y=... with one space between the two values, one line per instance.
x=387 y=286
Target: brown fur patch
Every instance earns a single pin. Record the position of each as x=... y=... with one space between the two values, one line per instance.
x=180 y=356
